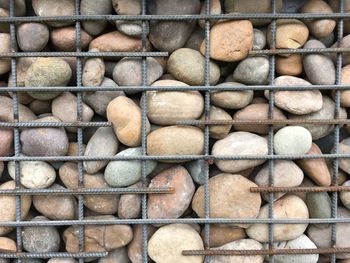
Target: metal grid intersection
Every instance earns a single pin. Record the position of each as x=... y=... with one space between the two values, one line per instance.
x=206 y=88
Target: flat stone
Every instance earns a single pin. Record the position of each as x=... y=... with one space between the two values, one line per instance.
x=302 y=242
x=252 y=71
x=294 y=140
x=33 y=174
x=176 y=140
x=259 y=39
x=47 y=72
x=32 y=37
x=91 y=7
x=239 y=143
x=56 y=207
x=119 y=255
x=99 y=100
x=295 y=101
x=128 y=71
x=319 y=205
x=44 y=141
x=345 y=196
x=102 y=143
x=291 y=65
x=64 y=107
x=322 y=236
x=230 y=40
x=230 y=198
x=223 y=234
x=7 y=245
x=175 y=204
x=168 y=107
x=231 y=99
x=319 y=27
x=41 y=239
x=171 y=35
x=135 y=248
x=258 y=111
x=99 y=203
x=6 y=142
x=316 y=169
x=288 y=207
x=98 y=238
x=117 y=42
x=54 y=8
x=130 y=204
x=5 y=63
x=126 y=173
x=125 y=116
x=326 y=112
x=290 y=33
x=242 y=244
x=8 y=206
x=167 y=243
x=285 y=174
x=319 y=68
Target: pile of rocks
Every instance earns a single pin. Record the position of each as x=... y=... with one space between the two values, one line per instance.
x=229 y=180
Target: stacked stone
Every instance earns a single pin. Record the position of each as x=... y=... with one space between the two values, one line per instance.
x=230 y=181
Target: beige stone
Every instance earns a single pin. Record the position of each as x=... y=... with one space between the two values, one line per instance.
x=218 y=131
x=7 y=245
x=345 y=80
x=291 y=66
x=64 y=39
x=222 y=234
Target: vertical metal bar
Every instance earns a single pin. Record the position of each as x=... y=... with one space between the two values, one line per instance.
x=271 y=129
x=336 y=133
x=80 y=130
x=206 y=131
x=144 y=136
x=17 y=146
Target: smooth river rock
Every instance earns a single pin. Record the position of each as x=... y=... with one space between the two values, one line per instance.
x=167 y=243
x=319 y=205
x=291 y=65
x=93 y=71
x=175 y=204
x=252 y=71
x=218 y=131
x=230 y=197
x=130 y=204
x=293 y=140
x=239 y=143
x=6 y=111
x=32 y=37
x=288 y=207
x=64 y=39
x=345 y=196
x=344 y=148
x=91 y=7
x=6 y=142
x=5 y=63
x=221 y=234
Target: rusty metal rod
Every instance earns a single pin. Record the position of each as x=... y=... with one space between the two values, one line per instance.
x=313 y=189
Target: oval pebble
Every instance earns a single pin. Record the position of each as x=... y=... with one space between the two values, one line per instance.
x=64 y=39
x=32 y=37
x=319 y=205
x=293 y=140
x=252 y=71
x=91 y=7
x=93 y=71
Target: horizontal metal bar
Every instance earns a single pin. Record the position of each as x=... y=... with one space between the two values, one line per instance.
x=89 y=191
x=298 y=51
x=265 y=252
x=82 y=54
x=174 y=221
x=54 y=255
x=179 y=88
x=233 y=16
x=35 y=124
x=172 y=157
x=312 y=189
x=266 y=122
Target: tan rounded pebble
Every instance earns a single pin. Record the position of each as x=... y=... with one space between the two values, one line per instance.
x=291 y=65
x=64 y=39
x=8 y=206
x=218 y=131
x=242 y=244
x=344 y=148
x=345 y=80
x=258 y=111
x=135 y=248
x=7 y=245
x=125 y=117
x=291 y=33
x=319 y=27
x=5 y=46
x=239 y=143
x=117 y=42
x=32 y=37
x=316 y=169
x=61 y=260
x=167 y=243
x=296 y=101
x=6 y=142
x=230 y=40
x=6 y=111
x=222 y=234
x=56 y=207
x=230 y=197
x=288 y=207
x=102 y=204
x=231 y=99
x=130 y=204
x=98 y=238
x=176 y=140
x=175 y=204
x=168 y=107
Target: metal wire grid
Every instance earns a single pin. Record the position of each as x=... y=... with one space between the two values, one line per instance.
x=81 y=222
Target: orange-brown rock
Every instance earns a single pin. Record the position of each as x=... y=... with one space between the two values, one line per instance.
x=6 y=142
x=316 y=169
x=223 y=234
x=7 y=245
x=345 y=80
x=64 y=39
x=292 y=65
